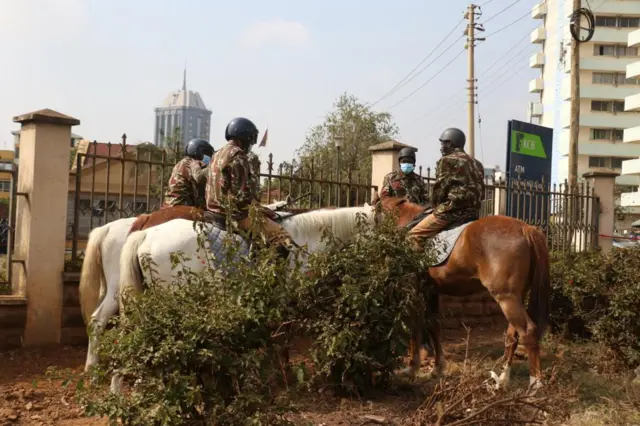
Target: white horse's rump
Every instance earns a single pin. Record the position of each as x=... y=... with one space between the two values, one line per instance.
x=101 y=266
x=100 y=276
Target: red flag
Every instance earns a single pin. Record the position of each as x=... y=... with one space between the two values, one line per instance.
x=263 y=142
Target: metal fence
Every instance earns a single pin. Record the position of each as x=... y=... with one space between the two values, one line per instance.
x=568 y=218
x=7 y=229
x=114 y=181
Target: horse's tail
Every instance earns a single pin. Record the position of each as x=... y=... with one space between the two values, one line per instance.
x=539 y=307
x=92 y=280
x=130 y=269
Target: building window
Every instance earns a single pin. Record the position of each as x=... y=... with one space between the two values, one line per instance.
x=618 y=106
x=617 y=134
x=616 y=162
x=600 y=106
x=619 y=22
x=614 y=50
x=603 y=78
x=5 y=186
x=600 y=134
x=597 y=161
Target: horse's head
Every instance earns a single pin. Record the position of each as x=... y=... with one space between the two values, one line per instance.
x=403 y=209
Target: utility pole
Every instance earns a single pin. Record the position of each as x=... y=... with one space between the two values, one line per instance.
x=471 y=40
x=574 y=126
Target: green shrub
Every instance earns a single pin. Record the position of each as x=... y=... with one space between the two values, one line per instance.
x=602 y=291
x=207 y=349
x=200 y=350
x=358 y=304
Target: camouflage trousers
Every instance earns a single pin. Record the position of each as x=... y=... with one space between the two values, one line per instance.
x=428 y=227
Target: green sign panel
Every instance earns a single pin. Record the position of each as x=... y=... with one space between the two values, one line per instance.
x=527 y=144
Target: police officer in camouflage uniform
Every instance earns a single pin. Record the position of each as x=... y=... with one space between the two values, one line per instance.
x=254 y=174
x=458 y=190
x=230 y=184
x=406 y=182
x=189 y=177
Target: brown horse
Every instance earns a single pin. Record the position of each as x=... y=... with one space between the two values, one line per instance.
x=507 y=257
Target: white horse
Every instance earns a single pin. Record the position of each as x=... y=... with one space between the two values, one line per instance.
x=178 y=235
x=101 y=273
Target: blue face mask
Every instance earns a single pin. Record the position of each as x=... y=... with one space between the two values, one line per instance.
x=206 y=159
x=406 y=167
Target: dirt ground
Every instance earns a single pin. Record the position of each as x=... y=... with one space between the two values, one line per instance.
x=28 y=396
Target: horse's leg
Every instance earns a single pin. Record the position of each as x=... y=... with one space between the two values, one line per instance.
x=99 y=320
x=510 y=346
x=433 y=329
x=518 y=318
x=414 y=350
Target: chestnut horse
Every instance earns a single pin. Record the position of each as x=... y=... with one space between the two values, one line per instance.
x=507 y=257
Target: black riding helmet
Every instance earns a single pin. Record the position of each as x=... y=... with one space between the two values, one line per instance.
x=243 y=130
x=408 y=154
x=454 y=136
x=198 y=148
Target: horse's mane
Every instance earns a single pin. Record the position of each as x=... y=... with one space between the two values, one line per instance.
x=340 y=221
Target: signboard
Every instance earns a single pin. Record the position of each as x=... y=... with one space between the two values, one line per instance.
x=529 y=150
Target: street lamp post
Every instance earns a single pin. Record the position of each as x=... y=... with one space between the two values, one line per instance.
x=338 y=142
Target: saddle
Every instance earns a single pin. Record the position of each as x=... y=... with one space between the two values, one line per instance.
x=426 y=212
x=220 y=221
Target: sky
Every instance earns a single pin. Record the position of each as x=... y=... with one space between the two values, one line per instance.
x=281 y=63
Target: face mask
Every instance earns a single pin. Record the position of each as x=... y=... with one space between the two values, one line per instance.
x=206 y=159
x=406 y=167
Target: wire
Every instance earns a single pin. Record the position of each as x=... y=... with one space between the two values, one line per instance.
x=400 y=84
x=486 y=3
x=502 y=11
x=426 y=82
x=508 y=25
x=501 y=57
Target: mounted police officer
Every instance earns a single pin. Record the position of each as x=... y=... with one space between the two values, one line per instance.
x=231 y=183
x=406 y=182
x=458 y=190
x=188 y=179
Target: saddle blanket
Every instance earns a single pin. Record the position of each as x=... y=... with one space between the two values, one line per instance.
x=445 y=241
x=221 y=249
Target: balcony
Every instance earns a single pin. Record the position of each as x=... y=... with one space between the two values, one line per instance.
x=606 y=63
x=631 y=167
x=539 y=11
x=634 y=38
x=632 y=135
x=536 y=85
x=630 y=199
x=633 y=70
x=537 y=60
x=632 y=103
x=607 y=91
x=598 y=148
x=539 y=35
x=611 y=35
x=605 y=120
x=535 y=109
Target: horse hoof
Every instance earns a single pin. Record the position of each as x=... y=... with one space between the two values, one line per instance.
x=535 y=383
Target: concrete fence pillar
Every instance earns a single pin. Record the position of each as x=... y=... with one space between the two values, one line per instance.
x=603 y=184
x=41 y=220
x=384 y=160
x=500 y=194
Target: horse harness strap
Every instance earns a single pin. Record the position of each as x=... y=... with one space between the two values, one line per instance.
x=418 y=218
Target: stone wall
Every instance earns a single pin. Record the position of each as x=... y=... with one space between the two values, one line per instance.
x=478 y=311
x=73 y=328
x=13 y=317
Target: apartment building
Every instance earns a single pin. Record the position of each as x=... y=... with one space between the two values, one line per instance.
x=604 y=85
x=631 y=200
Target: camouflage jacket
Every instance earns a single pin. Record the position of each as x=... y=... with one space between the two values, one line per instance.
x=459 y=187
x=254 y=175
x=397 y=184
x=228 y=183
x=187 y=184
